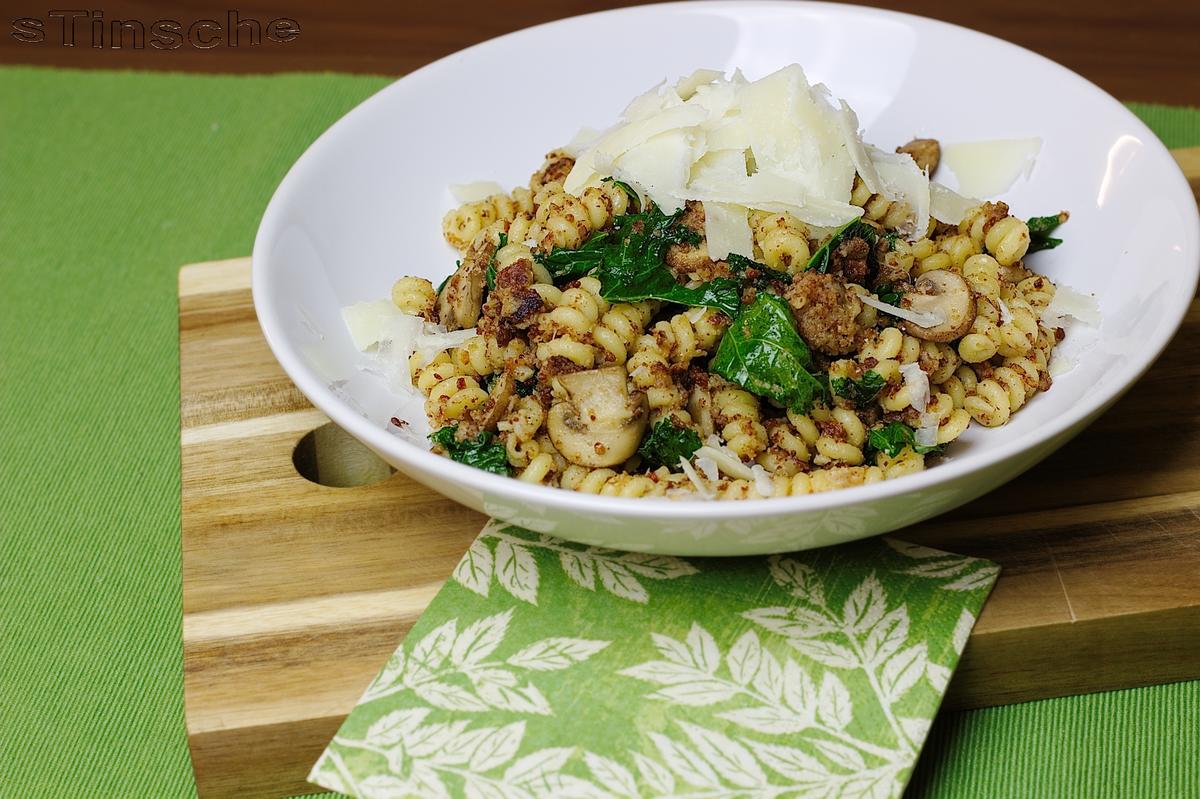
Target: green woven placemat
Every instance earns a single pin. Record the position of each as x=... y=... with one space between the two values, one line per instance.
x=109 y=181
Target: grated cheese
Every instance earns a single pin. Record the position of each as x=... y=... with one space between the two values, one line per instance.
x=701 y=487
x=762 y=481
x=727 y=461
x=917 y=383
x=926 y=434
x=709 y=467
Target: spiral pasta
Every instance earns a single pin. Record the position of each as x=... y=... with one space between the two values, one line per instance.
x=782 y=240
x=736 y=414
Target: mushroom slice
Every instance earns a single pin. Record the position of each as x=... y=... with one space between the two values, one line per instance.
x=944 y=295
x=599 y=423
x=488 y=415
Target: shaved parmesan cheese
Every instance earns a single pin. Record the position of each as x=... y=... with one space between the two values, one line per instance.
x=433 y=340
x=659 y=165
x=988 y=168
x=917 y=383
x=701 y=487
x=946 y=205
x=926 y=434
x=474 y=192
x=686 y=87
x=848 y=121
x=726 y=460
x=903 y=181
x=1005 y=313
x=921 y=318
x=1061 y=364
x=762 y=481
x=727 y=230
x=1068 y=302
x=372 y=322
x=709 y=467
x=583 y=139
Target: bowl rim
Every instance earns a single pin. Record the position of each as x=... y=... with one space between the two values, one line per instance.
x=435 y=467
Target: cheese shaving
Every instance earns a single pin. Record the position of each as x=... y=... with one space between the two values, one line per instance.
x=926 y=434
x=989 y=168
x=1068 y=302
x=1005 y=313
x=474 y=192
x=701 y=487
x=762 y=481
x=709 y=467
x=727 y=230
x=726 y=460
x=917 y=383
x=921 y=318
x=947 y=205
x=382 y=330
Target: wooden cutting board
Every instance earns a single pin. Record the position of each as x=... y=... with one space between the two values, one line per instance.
x=295 y=593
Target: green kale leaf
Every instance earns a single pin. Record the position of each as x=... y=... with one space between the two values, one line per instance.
x=886 y=292
x=892 y=438
x=1040 y=228
x=630 y=262
x=481 y=452
x=667 y=443
x=525 y=388
x=490 y=274
x=762 y=352
x=758 y=275
x=860 y=392
x=854 y=229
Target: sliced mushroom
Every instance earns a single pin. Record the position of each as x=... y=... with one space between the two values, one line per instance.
x=926 y=152
x=489 y=414
x=461 y=300
x=944 y=295
x=599 y=423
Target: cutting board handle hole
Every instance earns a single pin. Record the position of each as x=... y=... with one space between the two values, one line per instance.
x=332 y=457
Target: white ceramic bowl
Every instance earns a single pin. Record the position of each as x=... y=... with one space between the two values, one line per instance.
x=363 y=206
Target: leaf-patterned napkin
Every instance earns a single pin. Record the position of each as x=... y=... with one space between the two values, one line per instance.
x=550 y=669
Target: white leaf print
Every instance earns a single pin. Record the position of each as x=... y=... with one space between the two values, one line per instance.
x=565 y=786
x=962 y=630
x=478 y=787
x=384 y=786
x=672 y=650
x=744 y=658
x=839 y=754
x=656 y=567
x=870 y=786
x=432 y=650
x=799 y=692
x=790 y=762
x=537 y=765
x=579 y=568
x=902 y=671
x=459 y=749
x=449 y=697
x=975 y=580
x=619 y=581
x=612 y=775
x=474 y=571
x=770 y=720
x=799 y=579
x=834 y=706
x=518 y=700
x=495 y=676
x=938 y=676
x=913 y=550
x=947 y=567
x=790 y=622
x=396 y=726
x=915 y=729
x=427 y=784
x=865 y=606
x=499 y=747
x=654 y=775
x=769 y=679
x=430 y=739
x=826 y=652
x=663 y=672
x=551 y=654
x=696 y=694
x=887 y=636
x=388 y=677
x=516 y=571
x=688 y=765
x=730 y=759
x=480 y=639
x=703 y=648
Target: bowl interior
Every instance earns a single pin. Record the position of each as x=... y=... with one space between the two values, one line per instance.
x=364 y=205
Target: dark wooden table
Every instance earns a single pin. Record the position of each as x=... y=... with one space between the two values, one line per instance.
x=1134 y=49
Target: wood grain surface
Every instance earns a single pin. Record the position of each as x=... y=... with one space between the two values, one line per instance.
x=1141 y=50
x=296 y=593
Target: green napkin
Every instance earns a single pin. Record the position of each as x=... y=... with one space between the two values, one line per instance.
x=549 y=669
